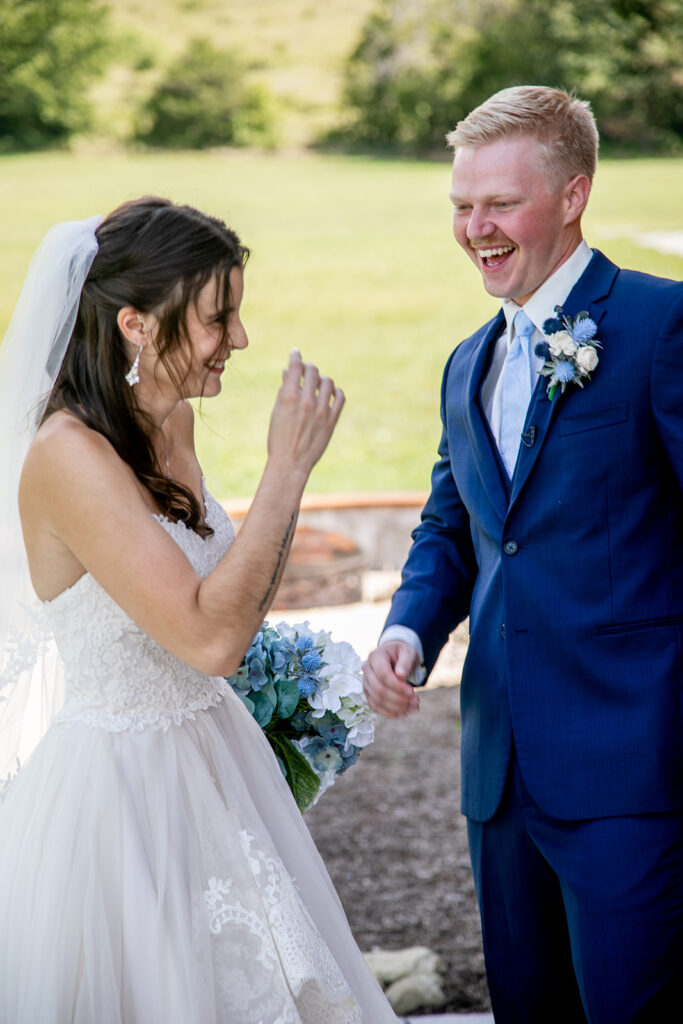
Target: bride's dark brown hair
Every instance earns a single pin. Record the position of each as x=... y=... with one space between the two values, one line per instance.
x=156 y=257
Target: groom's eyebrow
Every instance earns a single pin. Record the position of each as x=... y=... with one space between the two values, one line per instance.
x=495 y=197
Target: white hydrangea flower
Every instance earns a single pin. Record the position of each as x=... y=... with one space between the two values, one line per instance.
x=361 y=734
x=303 y=629
x=329 y=695
x=340 y=656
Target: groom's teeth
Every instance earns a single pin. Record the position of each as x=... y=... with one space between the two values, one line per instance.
x=487 y=253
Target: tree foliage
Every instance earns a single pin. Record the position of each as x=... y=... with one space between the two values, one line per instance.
x=50 y=51
x=421 y=65
x=206 y=99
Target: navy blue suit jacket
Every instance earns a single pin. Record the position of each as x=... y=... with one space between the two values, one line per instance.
x=572 y=574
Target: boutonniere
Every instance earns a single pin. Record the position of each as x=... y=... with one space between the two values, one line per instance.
x=570 y=351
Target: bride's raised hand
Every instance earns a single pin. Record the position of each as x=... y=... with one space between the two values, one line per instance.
x=305 y=414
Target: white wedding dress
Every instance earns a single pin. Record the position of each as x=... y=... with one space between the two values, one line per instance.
x=154 y=868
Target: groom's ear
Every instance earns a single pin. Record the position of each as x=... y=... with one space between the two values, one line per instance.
x=576 y=193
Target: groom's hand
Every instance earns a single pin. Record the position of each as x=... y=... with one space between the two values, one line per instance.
x=385 y=679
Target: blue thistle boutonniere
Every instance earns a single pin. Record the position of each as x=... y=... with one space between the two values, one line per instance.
x=570 y=353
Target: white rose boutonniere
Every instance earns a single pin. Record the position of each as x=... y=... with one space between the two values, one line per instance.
x=562 y=344
x=570 y=351
x=586 y=359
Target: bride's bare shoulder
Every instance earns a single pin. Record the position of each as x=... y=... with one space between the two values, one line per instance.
x=64 y=451
x=64 y=427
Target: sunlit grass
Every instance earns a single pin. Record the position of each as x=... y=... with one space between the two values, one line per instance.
x=353 y=262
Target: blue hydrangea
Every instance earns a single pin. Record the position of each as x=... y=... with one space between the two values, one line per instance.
x=565 y=371
x=542 y=350
x=331 y=728
x=279 y=658
x=584 y=330
x=300 y=722
x=324 y=757
x=349 y=757
x=256 y=673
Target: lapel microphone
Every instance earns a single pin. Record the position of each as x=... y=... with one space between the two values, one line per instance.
x=529 y=436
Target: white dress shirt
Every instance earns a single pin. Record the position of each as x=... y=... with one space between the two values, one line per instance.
x=553 y=292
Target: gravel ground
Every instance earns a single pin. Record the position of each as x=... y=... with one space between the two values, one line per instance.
x=395 y=845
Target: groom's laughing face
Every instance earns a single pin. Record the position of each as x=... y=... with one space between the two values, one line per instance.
x=510 y=220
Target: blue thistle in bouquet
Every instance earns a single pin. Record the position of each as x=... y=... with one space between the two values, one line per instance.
x=306 y=693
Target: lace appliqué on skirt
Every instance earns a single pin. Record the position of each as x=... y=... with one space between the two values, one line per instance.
x=283 y=940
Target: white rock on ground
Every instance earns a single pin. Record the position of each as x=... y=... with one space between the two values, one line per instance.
x=410 y=977
x=390 y=965
x=415 y=992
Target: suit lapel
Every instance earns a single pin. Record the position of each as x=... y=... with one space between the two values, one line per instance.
x=588 y=293
x=481 y=442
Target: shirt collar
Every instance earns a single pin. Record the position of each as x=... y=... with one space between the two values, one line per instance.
x=554 y=290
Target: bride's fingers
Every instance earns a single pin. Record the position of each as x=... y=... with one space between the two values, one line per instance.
x=292 y=374
x=337 y=404
x=326 y=390
x=311 y=380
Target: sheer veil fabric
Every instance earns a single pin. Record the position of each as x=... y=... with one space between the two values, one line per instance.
x=31 y=355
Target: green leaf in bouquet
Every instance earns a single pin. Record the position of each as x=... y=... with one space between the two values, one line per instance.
x=247 y=701
x=287 y=697
x=263 y=707
x=302 y=780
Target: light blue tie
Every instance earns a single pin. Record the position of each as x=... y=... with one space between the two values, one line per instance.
x=516 y=387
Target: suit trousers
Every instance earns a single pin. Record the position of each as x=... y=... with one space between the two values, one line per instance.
x=582 y=920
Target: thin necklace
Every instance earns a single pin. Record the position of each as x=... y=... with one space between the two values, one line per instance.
x=168 y=464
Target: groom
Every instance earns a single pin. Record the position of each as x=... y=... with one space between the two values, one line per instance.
x=555 y=522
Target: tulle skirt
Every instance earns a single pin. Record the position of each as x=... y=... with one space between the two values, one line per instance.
x=159 y=877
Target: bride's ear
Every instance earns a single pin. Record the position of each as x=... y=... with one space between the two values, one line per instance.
x=136 y=327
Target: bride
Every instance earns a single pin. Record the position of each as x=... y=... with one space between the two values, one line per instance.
x=154 y=868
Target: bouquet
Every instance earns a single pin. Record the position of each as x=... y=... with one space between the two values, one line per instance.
x=306 y=693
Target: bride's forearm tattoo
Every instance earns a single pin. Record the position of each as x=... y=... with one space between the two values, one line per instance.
x=281 y=555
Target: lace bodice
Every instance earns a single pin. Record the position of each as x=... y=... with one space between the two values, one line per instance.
x=117 y=677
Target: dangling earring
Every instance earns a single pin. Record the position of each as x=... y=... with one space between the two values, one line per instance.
x=133 y=375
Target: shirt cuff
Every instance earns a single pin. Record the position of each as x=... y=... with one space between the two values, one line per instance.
x=408 y=636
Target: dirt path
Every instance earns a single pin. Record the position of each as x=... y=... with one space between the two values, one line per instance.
x=395 y=845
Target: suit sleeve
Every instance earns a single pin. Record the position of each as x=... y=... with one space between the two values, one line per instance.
x=440 y=570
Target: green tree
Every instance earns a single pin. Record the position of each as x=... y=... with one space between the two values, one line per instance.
x=394 y=86
x=625 y=56
x=50 y=50
x=422 y=64
x=206 y=99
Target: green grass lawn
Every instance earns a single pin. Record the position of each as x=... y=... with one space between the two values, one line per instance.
x=352 y=261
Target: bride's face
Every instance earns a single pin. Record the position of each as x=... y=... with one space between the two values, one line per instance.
x=213 y=332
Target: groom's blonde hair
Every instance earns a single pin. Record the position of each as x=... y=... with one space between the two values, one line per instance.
x=563 y=126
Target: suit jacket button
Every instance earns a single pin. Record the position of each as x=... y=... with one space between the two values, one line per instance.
x=502 y=631
x=510 y=547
